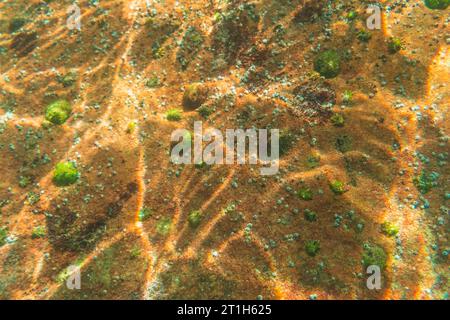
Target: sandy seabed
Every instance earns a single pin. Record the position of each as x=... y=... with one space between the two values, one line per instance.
x=141 y=227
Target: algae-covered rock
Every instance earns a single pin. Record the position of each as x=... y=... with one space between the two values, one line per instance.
x=194 y=96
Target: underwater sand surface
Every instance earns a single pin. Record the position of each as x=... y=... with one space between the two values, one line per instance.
x=127 y=220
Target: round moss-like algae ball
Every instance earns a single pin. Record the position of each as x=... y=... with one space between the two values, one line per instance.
x=58 y=112
x=174 y=115
x=328 y=64
x=437 y=4
x=65 y=174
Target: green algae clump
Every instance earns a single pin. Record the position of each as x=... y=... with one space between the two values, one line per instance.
x=131 y=127
x=305 y=194
x=328 y=64
x=347 y=97
x=205 y=111
x=425 y=181
x=24 y=181
x=174 y=115
x=363 y=36
x=153 y=82
x=389 y=229
x=338 y=120
x=69 y=79
x=16 y=24
x=395 y=45
x=312 y=247
x=374 y=255
x=352 y=15
x=313 y=160
x=3 y=236
x=58 y=112
x=343 y=143
x=310 y=216
x=338 y=187
x=286 y=142
x=437 y=4
x=195 y=217
x=38 y=232
x=145 y=214
x=65 y=174
x=163 y=226
x=189 y=47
